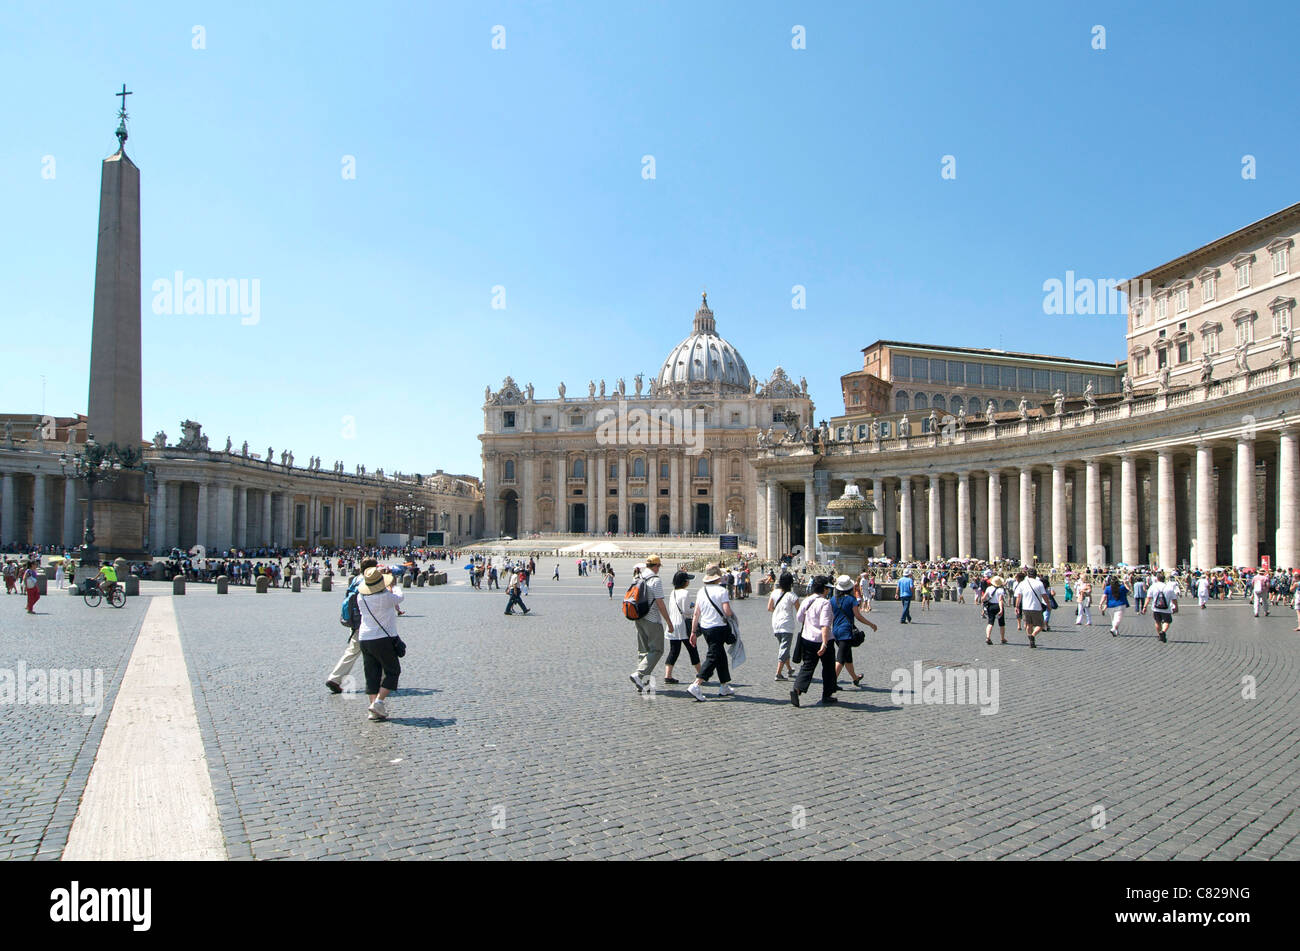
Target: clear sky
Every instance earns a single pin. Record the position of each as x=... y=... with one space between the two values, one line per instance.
x=522 y=168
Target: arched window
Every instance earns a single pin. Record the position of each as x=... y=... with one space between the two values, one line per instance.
x=900 y=402
x=920 y=402
x=974 y=408
x=939 y=403
x=510 y=470
x=579 y=468
x=702 y=468
x=1008 y=406
x=638 y=467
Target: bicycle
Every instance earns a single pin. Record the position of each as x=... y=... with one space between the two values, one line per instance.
x=94 y=594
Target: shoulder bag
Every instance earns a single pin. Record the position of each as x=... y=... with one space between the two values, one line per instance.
x=399 y=645
x=730 y=637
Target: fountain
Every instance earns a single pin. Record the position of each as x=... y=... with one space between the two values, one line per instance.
x=851 y=540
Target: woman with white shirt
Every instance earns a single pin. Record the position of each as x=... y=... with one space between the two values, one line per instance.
x=783 y=603
x=377 y=600
x=994 y=601
x=680 y=609
x=712 y=619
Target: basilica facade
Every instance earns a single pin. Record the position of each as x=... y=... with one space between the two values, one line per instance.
x=674 y=457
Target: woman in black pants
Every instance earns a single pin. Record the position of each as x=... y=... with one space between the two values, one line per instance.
x=713 y=620
x=815 y=644
x=680 y=613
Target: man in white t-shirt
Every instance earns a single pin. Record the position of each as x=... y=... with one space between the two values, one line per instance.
x=1203 y=591
x=1032 y=597
x=1163 y=598
x=650 y=629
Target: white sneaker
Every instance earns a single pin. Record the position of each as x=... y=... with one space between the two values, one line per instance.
x=637 y=682
x=695 y=691
x=726 y=690
x=378 y=711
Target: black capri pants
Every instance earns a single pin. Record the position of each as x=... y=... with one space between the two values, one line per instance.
x=382 y=665
x=675 y=649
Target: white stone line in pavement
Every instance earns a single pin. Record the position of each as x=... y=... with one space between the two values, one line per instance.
x=149 y=796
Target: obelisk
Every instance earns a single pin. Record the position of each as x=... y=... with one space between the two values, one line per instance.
x=115 y=411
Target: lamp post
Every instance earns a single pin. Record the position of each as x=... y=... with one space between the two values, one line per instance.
x=409 y=510
x=96 y=464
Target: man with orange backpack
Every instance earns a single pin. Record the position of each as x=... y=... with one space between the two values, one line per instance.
x=644 y=604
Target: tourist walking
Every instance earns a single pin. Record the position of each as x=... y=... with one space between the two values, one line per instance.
x=1116 y=595
x=1203 y=591
x=844 y=608
x=994 y=601
x=1031 y=598
x=1083 y=614
x=906 y=590
x=1259 y=587
x=351 y=613
x=31 y=586
x=377 y=600
x=515 y=591
x=813 y=646
x=1164 y=603
x=609 y=582
x=59 y=580
x=712 y=619
x=783 y=603
x=650 y=629
x=680 y=609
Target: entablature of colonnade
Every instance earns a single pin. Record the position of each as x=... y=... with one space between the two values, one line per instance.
x=1248 y=406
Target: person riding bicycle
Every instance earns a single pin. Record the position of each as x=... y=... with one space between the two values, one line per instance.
x=107 y=579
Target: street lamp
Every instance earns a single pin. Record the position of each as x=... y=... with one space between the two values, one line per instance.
x=409 y=510
x=96 y=464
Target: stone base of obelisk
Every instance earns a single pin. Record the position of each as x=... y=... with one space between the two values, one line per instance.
x=121 y=519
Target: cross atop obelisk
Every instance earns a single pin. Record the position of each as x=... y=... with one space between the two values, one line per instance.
x=121 y=115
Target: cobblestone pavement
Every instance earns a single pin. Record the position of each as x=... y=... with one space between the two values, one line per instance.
x=521 y=737
x=46 y=749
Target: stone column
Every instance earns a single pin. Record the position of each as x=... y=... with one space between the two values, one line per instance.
x=1206 y=529
x=71 y=520
x=674 y=506
x=490 y=529
x=241 y=517
x=1027 y=515
x=203 y=517
x=158 y=517
x=652 y=494
x=963 y=515
x=720 y=501
x=948 y=515
x=8 y=509
x=995 y=515
x=225 y=516
x=1094 y=551
x=809 y=518
x=602 y=493
x=1166 y=511
x=920 y=520
x=40 y=509
x=1128 y=518
x=1078 y=497
x=1045 y=524
x=905 y=527
x=1245 y=543
x=267 y=539
x=1116 y=515
x=892 y=533
x=624 y=526
x=935 y=523
x=1288 y=526
x=1011 y=531
x=592 y=464
x=773 y=518
x=1059 y=538
x=527 y=495
x=980 y=490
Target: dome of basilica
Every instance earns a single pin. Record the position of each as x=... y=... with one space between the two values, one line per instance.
x=704 y=358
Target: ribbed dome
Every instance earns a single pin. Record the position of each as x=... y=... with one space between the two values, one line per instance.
x=704 y=357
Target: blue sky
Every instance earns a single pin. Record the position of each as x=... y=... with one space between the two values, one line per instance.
x=522 y=168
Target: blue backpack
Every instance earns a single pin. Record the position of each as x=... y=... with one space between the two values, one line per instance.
x=350 y=613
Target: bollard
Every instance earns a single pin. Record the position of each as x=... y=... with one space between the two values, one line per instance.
x=263 y=582
x=223 y=584
x=178 y=584
x=440 y=577
x=326 y=583
x=42 y=584
x=49 y=570
x=157 y=572
x=131 y=587
x=74 y=590
x=297 y=584
x=421 y=579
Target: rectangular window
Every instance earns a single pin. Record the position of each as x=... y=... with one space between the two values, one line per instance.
x=991 y=375
x=735 y=419
x=1243 y=277
x=1162 y=307
x=1008 y=378
x=663 y=470
x=1041 y=378
x=1281 y=321
x=1162 y=358
x=459 y=517
x=973 y=375
x=613 y=470
x=1183 y=352
x=546 y=421
x=1026 y=380
x=901 y=368
x=1139 y=365
x=300 y=521
x=1107 y=384
x=920 y=369
x=370 y=523
x=575 y=420
x=325 y=514
x=1058 y=381
x=938 y=371
x=1212 y=341
x=1181 y=299
x=663 y=491
x=956 y=373
x=778 y=416
x=1243 y=332
x=1279 y=262
x=349 y=522
x=1074 y=383
x=1207 y=290
x=509 y=419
